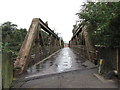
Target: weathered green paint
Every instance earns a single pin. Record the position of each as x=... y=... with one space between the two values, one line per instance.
x=7 y=70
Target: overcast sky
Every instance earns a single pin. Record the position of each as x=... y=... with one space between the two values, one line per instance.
x=60 y=14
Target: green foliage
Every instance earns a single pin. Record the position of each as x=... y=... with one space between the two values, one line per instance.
x=12 y=38
x=44 y=36
x=103 y=24
x=114 y=27
x=74 y=28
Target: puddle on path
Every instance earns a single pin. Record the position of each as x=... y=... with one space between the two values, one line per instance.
x=65 y=60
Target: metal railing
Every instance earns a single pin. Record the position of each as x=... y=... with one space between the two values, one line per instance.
x=39 y=42
x=81 y=37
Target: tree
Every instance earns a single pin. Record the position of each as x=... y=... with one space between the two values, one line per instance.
x=99 y=17
x=12 y=38
x=7 y=29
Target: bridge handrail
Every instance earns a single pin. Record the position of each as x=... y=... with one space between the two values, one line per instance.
x=32 y=36
x=79 y=29
x=46 y=28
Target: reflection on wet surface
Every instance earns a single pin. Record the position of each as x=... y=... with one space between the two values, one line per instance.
x=65 y=60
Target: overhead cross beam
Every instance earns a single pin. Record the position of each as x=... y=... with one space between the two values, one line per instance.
x=47 y=29
x=77 y=31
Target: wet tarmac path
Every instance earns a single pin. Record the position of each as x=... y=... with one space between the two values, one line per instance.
x=63 y=69
x=62 y=61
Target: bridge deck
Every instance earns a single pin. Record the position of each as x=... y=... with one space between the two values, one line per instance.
x=63 y=60
x=64 y=69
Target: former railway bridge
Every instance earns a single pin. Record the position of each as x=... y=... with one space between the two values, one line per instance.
x=43 y=61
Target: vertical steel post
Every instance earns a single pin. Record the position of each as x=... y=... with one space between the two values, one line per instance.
x=25 y=51
x=37 y=45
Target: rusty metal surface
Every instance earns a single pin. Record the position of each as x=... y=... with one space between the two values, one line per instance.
x=78 y=30
x=23 y=57
x=47 y=29
x=34 y=42
x=84 y=40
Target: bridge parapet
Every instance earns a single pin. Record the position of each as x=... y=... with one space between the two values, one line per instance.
x=81 y=38
x=39 y=42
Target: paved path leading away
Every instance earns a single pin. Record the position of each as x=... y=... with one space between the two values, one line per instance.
x=62 y=61
x=63 y=70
